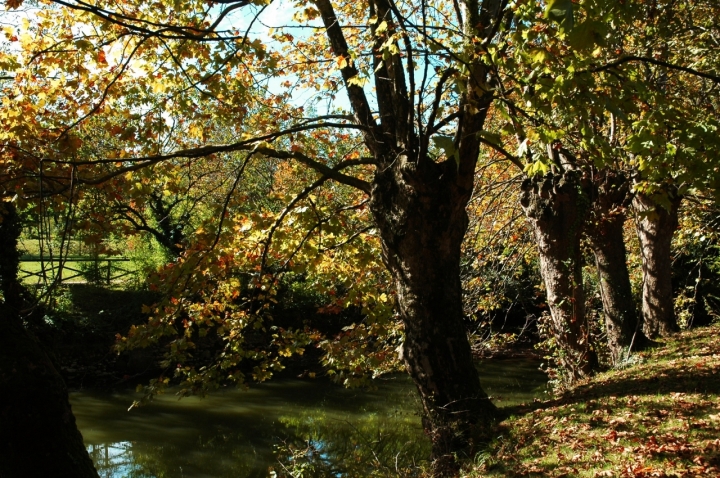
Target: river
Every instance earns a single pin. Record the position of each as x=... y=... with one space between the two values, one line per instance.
x=276 y=427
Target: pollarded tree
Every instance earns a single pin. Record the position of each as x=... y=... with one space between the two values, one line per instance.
x=671 y=136
x=595 y=91
x=605 y=233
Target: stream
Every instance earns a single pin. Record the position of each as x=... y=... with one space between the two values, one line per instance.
x=276 y=427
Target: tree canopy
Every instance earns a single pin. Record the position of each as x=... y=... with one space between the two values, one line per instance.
x=259 y=141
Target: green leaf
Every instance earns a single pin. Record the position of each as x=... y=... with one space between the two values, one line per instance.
x=447 y=144
x=561 y=11
x=491 y=137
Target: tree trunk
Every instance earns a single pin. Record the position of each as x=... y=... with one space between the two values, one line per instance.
x=419 y=207
x=422 y=220
x=656 y=226
x=605 y=233
x=556 y=207
x=38 y=435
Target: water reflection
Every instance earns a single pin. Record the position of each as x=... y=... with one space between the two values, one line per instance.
x=313 y=426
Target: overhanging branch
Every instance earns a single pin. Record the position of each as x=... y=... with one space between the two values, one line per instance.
x=631 y=58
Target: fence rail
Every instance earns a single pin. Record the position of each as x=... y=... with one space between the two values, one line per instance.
x=105 y=269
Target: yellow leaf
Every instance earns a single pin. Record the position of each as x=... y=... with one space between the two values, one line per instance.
x=357 y=80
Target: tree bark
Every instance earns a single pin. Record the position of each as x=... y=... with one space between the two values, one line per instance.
x=422 y=220
x=605 y=234
x=418 y=203
x=655 y=227
x=556 y=207
x=38 y=435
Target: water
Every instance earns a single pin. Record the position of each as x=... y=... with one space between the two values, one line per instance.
x=307 y=424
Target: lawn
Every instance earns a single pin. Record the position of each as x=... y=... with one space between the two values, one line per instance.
x=659 y=417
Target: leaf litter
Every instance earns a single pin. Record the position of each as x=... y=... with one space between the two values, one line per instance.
x=657 y=418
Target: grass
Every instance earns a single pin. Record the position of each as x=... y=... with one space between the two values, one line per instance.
x=72 y=267
x=657 y=418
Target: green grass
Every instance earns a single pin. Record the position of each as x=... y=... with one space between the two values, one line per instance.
x=70 y=268
x=657 y=418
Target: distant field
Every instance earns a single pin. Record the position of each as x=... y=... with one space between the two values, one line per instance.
x=79 y=257
x=30 y=248
x=121 y=270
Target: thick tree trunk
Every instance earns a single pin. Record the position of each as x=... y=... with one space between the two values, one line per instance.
x=422 y=221
x=656 y=226
x=605 y=233
x=419 y=208
x=556 y=207
x=38 y=435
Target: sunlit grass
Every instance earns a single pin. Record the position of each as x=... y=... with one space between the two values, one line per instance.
x=659 y=417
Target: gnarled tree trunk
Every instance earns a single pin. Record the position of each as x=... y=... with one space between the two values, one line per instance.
x=422 y=220
x=556 y=207
x=605 y=234
x=418 y=203
x=655 y=227
x=38 y=435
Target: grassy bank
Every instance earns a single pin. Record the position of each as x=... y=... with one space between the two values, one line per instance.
x=659 y=417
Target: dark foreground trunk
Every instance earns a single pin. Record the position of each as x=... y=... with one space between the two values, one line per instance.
x=422 y=220
x=656 y=226
x=38 y=435
x=605 y=233
x=556 y=207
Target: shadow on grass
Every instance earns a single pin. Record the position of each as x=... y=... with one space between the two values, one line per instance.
x=650 y=378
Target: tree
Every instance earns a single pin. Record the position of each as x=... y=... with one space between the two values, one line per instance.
x=419 y=81
x=627 y=114
x=38 y=433
x=605 y=232
x=557 y=206
x=655 y=227
x=418 y=196
x=673 y=133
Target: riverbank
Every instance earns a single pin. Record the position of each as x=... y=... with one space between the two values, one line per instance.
x=659 y=417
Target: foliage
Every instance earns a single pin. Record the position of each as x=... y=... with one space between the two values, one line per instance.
x=695 y=265
x=182 y=122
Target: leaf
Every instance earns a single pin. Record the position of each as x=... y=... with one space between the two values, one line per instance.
x=539 y=55
x=561 y=11
x=357 y=80
x=522 y=149
x=532 y=169
x=491 y=137
x=447 y=144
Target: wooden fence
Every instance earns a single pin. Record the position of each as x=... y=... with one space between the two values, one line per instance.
x=104 y=270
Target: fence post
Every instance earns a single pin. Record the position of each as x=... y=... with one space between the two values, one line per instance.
x=108 y=272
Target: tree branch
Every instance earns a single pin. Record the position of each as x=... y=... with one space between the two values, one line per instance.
x=653 y=61
x=358 y=100
x=513 y=159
